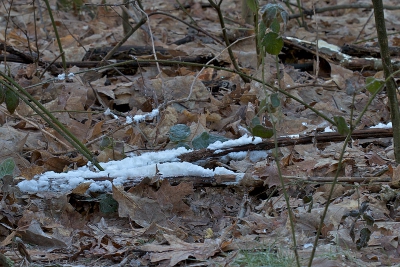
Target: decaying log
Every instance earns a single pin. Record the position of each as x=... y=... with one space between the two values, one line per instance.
x=361 y=51
x=93 y=64
x=349 y=56
x=365 y=64
x=287 y=141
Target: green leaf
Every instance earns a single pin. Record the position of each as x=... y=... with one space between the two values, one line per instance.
x=179 y=132
x=275 y=26
x=341 y=125
x=364 y=207
x=269 y=12
x=262 y=131
x=263 y=105
x=273 y=43
x=2 y=94
x=307 y=199
x=12 y=101
x=274 y=11
x=365 y=235
x=261 y=31
x=353 y=213
x=106 y=142
x=285 y=18
x=253 y=5
x=255 y=121
x=205 y=139
x=373 y=85
x=181 y=144
x=275 y=101
x=7 y=167
x=108 y=204
x=369 y=219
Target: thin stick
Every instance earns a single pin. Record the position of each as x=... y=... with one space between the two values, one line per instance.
x=211 y=60
x=337 y=7
x=189 y=25
x=316 y=43
x=365 y=24
x=36 y=126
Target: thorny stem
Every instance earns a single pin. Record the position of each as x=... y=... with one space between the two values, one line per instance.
x=259 y=48
x=126 y=26
x=56 y=33
x=217 y=7
x=5 y=30
x=321 y=223
x=300 y=6
x=339 y=167
x=391 y=86
x=277 y=162
x=286 y=196
x=49 y=118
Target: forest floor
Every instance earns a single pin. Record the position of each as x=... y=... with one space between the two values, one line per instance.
x=167 y=195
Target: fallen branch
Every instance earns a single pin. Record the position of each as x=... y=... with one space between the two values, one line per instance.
x=287 y=141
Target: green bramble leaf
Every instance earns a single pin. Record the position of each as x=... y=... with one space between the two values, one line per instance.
x=274 y=11
x=179 y=132
x=275 y=26
x=106 y=142
x=255 y=121
x=107 y=204
x=253 y=5
x=263 y=105
x=261 y=31
x=182 y=144
x=343 y=128
x=2 y=94
x=365 y=236
x=7 y=167
x=273 y=43
x=275 y=101
x=369 y=219
x=12 y=101
x=373 y=85
x=205 y=139
x=262 y=131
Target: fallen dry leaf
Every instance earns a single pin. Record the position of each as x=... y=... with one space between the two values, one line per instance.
x=178 y=250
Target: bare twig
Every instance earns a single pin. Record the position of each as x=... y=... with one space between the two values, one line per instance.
x=36 y=126
x=188 y=24
x=217 y=7
x=120 y=43
x=316 y=42
x=338 y=7
x=211 y=60
x=365 y=24
x=56 y=33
